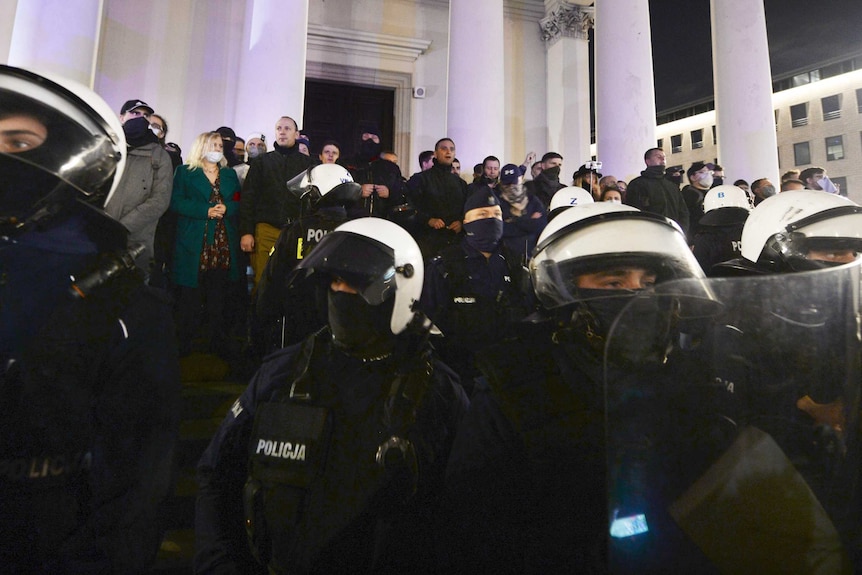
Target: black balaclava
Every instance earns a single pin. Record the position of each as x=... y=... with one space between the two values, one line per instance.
x=369 y=149
x=552 y=173
x=358 y=328
x=138 y=133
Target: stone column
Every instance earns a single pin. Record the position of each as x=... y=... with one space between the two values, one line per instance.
x=625 y=89
x=57 y=36
x=271 y=79
x=476 y=91
x=565 y=31
x=745 y=121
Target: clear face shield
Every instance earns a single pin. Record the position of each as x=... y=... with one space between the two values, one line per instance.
x=51 y=152
x=739 y=452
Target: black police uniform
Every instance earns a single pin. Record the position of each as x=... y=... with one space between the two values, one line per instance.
x=90 y=404
x=475 y=301
x=304 y=439
x=719 y=237
x=288 y=314
x=525 y=487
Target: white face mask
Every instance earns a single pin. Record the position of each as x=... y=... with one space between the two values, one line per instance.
x=214 y=157
x=706 y=180
x=156 y=131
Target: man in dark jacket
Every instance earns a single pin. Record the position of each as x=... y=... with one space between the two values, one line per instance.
x=90 y=381
x=439 y=199
x=266 y=204
x=652 y=192
x=699 y=182
x=547 y=182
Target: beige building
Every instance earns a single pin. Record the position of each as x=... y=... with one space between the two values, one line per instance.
x=818 y=121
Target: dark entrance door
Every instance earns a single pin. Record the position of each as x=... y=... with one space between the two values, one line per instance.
x=342 y=112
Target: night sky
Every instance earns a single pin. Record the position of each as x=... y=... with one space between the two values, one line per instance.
x=802 y=33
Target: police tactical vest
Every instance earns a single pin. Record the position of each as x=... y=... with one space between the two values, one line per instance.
x=327 y=469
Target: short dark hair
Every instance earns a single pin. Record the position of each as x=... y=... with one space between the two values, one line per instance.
x=165 y=122
x=757 y=183
x=441 y=140
x=809 y=172
x=551 y=156
x=425 y=156
x=740 y=182
x=649 y=152
x=490 y=159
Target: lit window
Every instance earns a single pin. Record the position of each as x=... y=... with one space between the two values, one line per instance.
x=835 y=148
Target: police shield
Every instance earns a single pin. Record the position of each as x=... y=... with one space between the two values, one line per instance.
x=732 y=426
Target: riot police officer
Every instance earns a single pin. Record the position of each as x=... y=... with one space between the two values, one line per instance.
x=475 y=291
x=326 y=191
x=526 y=479
x=90 y=387
x=719 y=231
x=336 y=450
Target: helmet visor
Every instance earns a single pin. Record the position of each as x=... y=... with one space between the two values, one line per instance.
x=49 y=132
x=367 y=265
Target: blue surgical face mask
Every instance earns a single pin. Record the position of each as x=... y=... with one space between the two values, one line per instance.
x=485 y=234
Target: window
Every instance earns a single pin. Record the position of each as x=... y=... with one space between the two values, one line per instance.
x=660 y=143
x=859 y=100
x=696 y=139
x=801 y=154
x=831 y=107
x=799 y=115
x=835 y=148
x=676 y=144
x=775 y=112
x=841 y=184
x=714 y=136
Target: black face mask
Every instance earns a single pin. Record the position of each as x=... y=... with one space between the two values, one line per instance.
x=138 y=132
x=552 y=173
x=484 y=234
x=33 y=196
x=717 y=181
x=368 y=150
x=358 y=328
x=676 y=179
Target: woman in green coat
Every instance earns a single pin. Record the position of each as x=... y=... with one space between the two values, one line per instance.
x=205 y=256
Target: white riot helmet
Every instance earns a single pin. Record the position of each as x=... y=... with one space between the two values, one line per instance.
x=601 y=235
x=326 y=185
x=782 y=231
x=726 y=196
x=379 y=259
x=569 y=197
x=61 y=143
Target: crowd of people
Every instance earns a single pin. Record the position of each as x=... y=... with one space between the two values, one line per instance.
x=502 y=376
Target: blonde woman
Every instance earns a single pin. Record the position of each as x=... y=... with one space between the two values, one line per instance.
x=207 y=244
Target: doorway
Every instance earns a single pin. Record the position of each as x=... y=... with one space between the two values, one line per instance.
x=342 y=112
